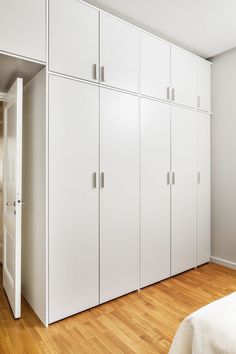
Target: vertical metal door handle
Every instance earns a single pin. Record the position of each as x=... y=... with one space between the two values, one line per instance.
x=168 y=178
x=94 y=180
x=102 y=180
x=198 y=177
x=198 y=101
x=173 y=177
x=168 y=93
x=95 y=76
x=102 y=73
x=173 y=94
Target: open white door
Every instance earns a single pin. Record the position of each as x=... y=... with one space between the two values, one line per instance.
x=12 y=196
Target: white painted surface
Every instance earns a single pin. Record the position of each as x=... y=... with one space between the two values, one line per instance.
x=73 y=200
x=73 y=38
x=183 y=77
x=12 y=190
x=223 y=157
x=223 y=262
x=203 y=188
x=155 y=66
x=188 y=23
x=119 y=197
x=12 y=67
x=119 y=53
x=155 y=191
x=34 y=244
x=203 y=71
x=23 y=28
x=183 y=195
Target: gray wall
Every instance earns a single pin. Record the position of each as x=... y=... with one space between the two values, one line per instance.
x=224 y=156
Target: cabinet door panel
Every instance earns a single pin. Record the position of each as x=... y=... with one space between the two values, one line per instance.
x=203 y=85
x=119 y=53
x=23 y=28
x=183 y=77
x=203 y=189
x=155 y=67
x=73 y=198
x=183 y=191
x=155 y=191
x=119 y=196
x=73 y=39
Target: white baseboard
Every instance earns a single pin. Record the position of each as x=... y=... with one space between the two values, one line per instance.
x=223 y=262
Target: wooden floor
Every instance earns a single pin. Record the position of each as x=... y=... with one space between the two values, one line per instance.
x=141 y=322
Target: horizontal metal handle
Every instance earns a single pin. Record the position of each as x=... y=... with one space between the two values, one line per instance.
x=102 y=180
x=10 y=203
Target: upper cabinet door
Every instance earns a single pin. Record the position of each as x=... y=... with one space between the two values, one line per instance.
x=73 y=39
x=155 y=67
x=23 y=28
x=119 y=53
x=182 y=77
x=203 y=85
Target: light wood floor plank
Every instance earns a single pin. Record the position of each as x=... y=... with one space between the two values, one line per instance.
x=142 y=322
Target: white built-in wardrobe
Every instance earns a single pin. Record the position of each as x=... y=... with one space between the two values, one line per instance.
x=125 y=123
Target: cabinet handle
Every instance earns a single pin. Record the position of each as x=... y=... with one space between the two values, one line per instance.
x=168 y=93
x=198 y=101
x=173 y=94
x=168 y=178
x=173 y=177
x=102 y=180
x=94 y=180
x=95 y=76
x=102 y=73
x=198 y=177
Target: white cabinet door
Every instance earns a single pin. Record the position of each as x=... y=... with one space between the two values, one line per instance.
x=23 y=28
x=155 y=191
x=203 y=85
x=155 y=67
x=73 y=197
x=183 y=77
x=183 y=190
x=119 y=53
x=119 y=194
x=73 y=39
x=203 y=188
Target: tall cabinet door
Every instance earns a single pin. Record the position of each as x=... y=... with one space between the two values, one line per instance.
x=73 y=39
x=154 y=67
x=73 y=197
x=119 y=194
x=203 y=85
x=119 y=53
x=203 y=189
x=155 y=191
x=183 y=190
x=183 y=77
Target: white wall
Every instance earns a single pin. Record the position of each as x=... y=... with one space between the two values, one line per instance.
x=34 y=259
x=224 y=157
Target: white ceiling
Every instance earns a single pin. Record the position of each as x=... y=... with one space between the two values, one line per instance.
x=206 y=27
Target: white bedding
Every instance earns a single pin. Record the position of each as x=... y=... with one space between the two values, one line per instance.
x=210 y=330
